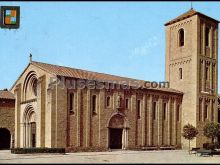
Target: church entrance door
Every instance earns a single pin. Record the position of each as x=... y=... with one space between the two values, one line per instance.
x=116 y=138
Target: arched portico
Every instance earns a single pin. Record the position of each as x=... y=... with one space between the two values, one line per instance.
x=118 y=131
x=29 y=132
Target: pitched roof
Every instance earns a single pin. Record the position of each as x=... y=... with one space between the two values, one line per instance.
x=79 y=73
x=5 y=94
x=188 y=14
x=89 y=75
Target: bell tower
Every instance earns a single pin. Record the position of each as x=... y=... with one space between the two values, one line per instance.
x=192 y=67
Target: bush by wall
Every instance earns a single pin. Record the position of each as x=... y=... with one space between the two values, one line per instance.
x=37 y=150
x=86 y=149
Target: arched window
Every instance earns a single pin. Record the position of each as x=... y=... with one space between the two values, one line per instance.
x=164 y=111
x=71 y=100
x=207 y=36
x=108 y=101
x=181 y=37
x=126 y=103
x=154 y=110
x=94 y=104
x=207 y=73
x=30 y=86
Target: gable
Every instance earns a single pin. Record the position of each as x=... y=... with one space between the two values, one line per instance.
x=30 y=68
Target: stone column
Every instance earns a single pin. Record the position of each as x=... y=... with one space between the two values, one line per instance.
x=11 y=141
x=159 y=122
x=88 y=119
x=215 y=78
x=203 y=77
x=203 y=108
x=123 y=138
x=169 y=122
x=28 y=135
x=216 y=111
x=216 y=43
x=17 y=115
x=211 y=111
x=211 y=42
x=40 y=129
x=203 y=41
x=126 y=138
x=100 y=109
x=24 y=135
x=211 y=78
x=78 y=103
x=143 y=120
x=174 y=122
x=150 y=121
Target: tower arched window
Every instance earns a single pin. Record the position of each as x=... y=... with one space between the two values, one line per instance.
x=207 y=31
x=181 y=37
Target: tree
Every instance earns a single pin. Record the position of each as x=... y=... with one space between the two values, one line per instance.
x=189 y=133
x=212 y=130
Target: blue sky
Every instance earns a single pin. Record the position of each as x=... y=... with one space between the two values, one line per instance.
x=120 y=38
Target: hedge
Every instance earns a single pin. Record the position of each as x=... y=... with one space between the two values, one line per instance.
x=37 y=150
x=86 y=149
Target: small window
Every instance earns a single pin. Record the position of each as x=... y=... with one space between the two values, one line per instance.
x=71 y=100
x=180 y=73
x=200 y=109
x=139 y=109
x=126 y=103
x=206 y=112
x=207 y=36
x=94 y=104
x=154 y=110
x=164 y=111
x=178 y=113
x=206 y=73
x=181 y=37
x=212 y=113
x=108 y=100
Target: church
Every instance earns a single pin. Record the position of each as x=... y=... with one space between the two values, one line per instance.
x=63 y=107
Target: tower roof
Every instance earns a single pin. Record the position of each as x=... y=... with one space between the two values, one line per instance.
x=188 y=14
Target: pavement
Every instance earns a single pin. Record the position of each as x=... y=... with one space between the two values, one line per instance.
x=116 y=156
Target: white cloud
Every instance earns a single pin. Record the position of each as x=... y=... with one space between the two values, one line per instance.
x=146 y=48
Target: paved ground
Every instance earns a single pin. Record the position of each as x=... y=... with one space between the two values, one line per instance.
x=176 y=156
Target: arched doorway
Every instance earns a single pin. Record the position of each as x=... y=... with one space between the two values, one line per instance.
x=115 y=138
x=5 y=138
x=29 y=127
x=118 y=132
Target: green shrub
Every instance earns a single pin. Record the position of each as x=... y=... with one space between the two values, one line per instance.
x=36 y=150
x=86 y=149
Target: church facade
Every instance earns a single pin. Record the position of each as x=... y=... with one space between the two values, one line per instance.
x=59 y=106
x=61 y=114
